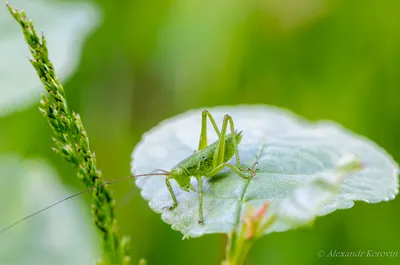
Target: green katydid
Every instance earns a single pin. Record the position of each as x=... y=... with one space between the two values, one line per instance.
x=208 y=161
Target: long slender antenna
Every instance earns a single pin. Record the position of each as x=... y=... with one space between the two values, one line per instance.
x=42 y=210
x=77 y=194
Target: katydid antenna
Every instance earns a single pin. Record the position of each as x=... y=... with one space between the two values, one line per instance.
x=165 y=173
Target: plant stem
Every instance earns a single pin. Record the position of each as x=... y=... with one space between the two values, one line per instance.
x=72 y=143
x=254 y=225
x=237 y=249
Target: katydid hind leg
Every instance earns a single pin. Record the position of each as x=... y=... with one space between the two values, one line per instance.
x=235 y=169
x=235 y=144
x=219 y=155
x=203 y=143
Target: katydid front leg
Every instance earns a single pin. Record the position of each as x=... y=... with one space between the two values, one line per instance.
x=171 y=191
x=200 y=194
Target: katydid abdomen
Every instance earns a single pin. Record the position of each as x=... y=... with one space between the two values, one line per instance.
x=201 y=163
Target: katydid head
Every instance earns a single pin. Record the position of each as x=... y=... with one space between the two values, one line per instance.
x=182 y=178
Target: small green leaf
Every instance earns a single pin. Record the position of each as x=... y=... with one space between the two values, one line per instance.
x=65 y=26
x=300 y=170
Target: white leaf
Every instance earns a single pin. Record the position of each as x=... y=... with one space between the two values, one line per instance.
x=297 y=161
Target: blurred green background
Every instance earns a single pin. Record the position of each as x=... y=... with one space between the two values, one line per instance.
x=149 y=60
